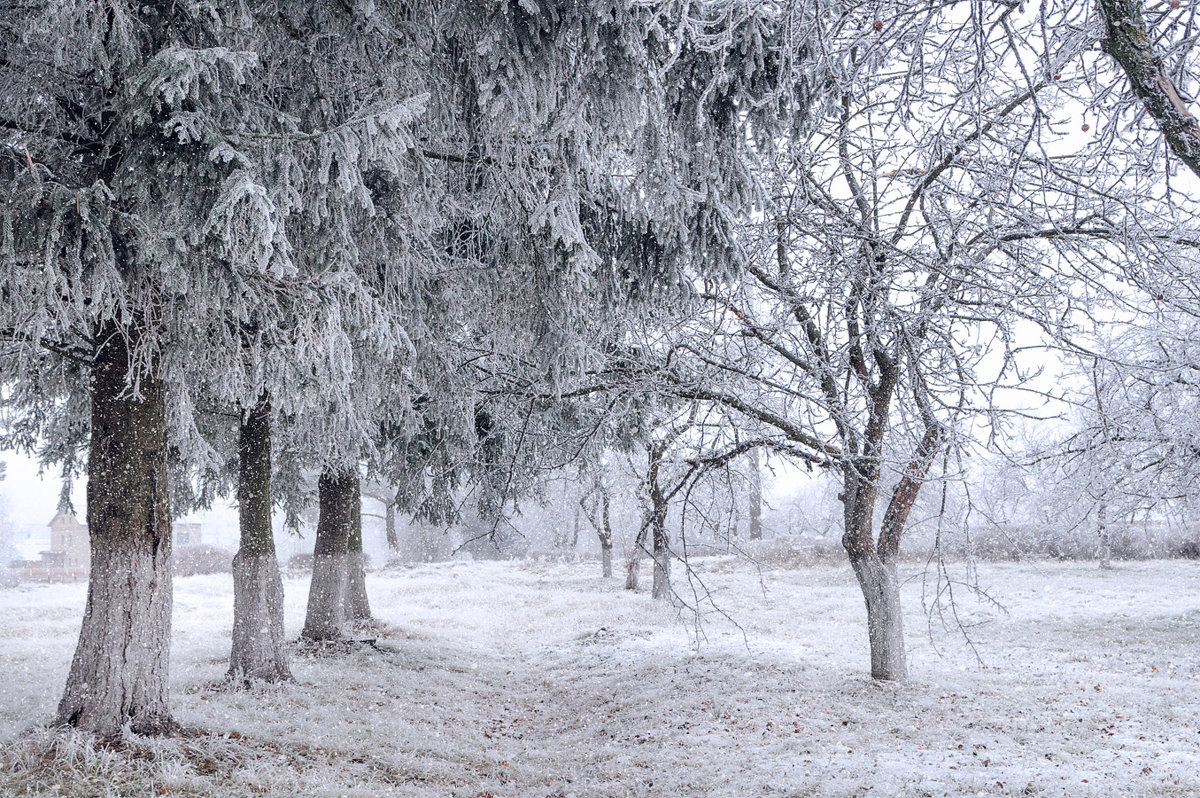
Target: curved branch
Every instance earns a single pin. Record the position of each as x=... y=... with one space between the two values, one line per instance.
x=1129 y=44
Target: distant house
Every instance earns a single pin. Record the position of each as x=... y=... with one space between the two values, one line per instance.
x=69 y=544
x=68 y=558
x=187 y=534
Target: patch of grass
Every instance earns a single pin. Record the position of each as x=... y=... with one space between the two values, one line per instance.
x=74 y=765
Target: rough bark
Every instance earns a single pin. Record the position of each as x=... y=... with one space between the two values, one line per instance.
x=895 y=519
x=875 y=564
x=885 y=627
x=325 y=618
x=358 y=607
x=1129 y=43
x=259 y=648
x=755 y=531
x=876 y=575
x=119 y=674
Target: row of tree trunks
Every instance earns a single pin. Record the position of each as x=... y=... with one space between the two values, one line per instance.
x=119 y=673
x=259 y=648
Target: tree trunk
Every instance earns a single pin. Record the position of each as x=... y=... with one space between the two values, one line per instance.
x=875 y=565
x=358 y=607
x=325 y=618
x=606 y=540
x=633 y=568
x=389 y=524
x=119 y=673
x=876 y=575
x=259 y=648
x=661 y=588
x=755 y=532
x=885 y=627
x=1102 y=532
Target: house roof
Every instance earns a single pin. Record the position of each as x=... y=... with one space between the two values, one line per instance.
x=64 y=518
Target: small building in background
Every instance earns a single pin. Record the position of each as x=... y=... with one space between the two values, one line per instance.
x=69 y=544
x=68 y=557
x=187 y=534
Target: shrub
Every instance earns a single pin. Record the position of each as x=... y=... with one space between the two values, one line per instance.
x=300 y=563
x=202 y=559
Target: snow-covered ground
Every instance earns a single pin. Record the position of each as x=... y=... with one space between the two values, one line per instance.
x=527 y=679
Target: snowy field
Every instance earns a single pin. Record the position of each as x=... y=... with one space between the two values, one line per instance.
x=513 y=679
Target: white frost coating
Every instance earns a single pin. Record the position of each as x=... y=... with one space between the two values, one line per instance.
x=577 y=680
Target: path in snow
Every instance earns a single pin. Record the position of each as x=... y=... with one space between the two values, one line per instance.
x=545 y=680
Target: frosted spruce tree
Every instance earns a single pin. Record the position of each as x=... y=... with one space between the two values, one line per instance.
x=588 y=155
x=245 y=206
x=608 y=143
x=91 y=263
x=154 y=177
